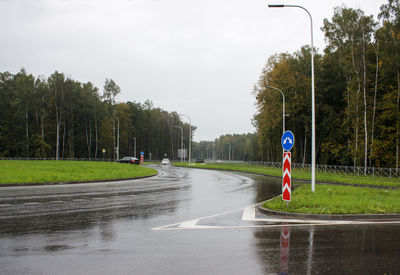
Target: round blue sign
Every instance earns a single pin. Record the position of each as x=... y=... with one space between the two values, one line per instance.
x=287 y=140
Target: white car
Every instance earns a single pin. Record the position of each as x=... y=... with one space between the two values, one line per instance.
x=165 y=162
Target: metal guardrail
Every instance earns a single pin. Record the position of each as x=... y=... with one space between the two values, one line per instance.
x=335 y=169
x=63 y=159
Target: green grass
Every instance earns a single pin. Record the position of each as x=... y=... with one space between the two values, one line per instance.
x=303 y=175
x=334 y=199
x=17 y=171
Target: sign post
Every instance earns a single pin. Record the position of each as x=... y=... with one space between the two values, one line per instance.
x=287 y=142
x=141 y=157
x=286 y=177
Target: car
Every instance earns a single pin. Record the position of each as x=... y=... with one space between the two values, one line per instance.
x=199 y=160
x=165 y=162
x=129 y=160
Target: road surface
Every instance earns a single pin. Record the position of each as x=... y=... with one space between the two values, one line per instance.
x=183 y=221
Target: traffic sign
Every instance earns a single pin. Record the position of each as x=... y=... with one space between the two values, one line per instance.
x=286 y=177
x=142 y=153
x=287 y=140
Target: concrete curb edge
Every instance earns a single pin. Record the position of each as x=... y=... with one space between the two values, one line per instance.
x=329 y=217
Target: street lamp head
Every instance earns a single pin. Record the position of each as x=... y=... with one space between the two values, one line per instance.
x=276 y=6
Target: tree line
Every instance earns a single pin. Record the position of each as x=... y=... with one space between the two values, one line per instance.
x=357 y=80
x=58 y=117
x=242 y=147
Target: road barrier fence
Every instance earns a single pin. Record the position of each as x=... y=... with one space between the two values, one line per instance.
x=335 y=169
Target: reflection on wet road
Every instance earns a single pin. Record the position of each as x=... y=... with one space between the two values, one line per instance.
x=130 y=227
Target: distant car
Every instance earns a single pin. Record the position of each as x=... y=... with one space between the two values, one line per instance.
x=199 y=161
x=130 y=160
x=165 y=162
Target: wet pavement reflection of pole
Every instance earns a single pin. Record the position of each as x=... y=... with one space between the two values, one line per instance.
x=310 y=250
x=285 y=248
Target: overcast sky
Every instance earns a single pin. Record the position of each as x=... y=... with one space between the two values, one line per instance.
x=199 y=58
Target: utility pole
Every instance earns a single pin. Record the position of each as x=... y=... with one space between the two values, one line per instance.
x=313 y=153
x=134 y=147
x=118 y=142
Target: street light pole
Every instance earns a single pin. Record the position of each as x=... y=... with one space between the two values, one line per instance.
x=213 y=158
x=181 y=140
x=134 y=147
x=190 y=136
x=230 y=148
x=118 y=143
x=312 y=93
x=283 y=106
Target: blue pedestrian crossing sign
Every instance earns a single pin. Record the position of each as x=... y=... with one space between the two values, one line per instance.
x=287 y=140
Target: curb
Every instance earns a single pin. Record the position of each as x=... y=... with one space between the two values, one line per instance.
x=70 y=182
x=329 y=217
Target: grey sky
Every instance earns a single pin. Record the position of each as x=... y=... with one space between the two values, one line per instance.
x=200 y=58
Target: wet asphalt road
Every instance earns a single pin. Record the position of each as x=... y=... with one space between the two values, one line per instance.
x=146 y=227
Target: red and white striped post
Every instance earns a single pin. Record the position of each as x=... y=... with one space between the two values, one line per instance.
x=286 y=177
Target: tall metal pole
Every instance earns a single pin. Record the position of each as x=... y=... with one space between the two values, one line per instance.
x=283 y=106
x=213 y=158
x=134 y=147
x=190 y=136
x=118 y=143
x=181 y=139
x=230 y=148
x=312 y=94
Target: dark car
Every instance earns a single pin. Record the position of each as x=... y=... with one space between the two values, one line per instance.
x=130 y=160
x=199 y=161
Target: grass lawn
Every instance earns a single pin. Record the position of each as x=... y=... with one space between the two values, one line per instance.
x=334 y=199
x=19 y=171
x=304 y=175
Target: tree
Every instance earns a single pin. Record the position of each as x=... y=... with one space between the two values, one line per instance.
x=110 y=92
x=350 y=34
x=390 y=15
x=56 y=85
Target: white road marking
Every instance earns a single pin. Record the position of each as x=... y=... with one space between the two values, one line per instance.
x=232 y=227
x=5 y=205
x=249 y=214
x=197 y=220
x=56 y=201
x=189 y=224
x=79 y=200
x=31 y=203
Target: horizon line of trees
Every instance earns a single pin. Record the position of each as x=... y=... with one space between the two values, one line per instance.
x=58 y=117
x=242 y=147
x=357 y=80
